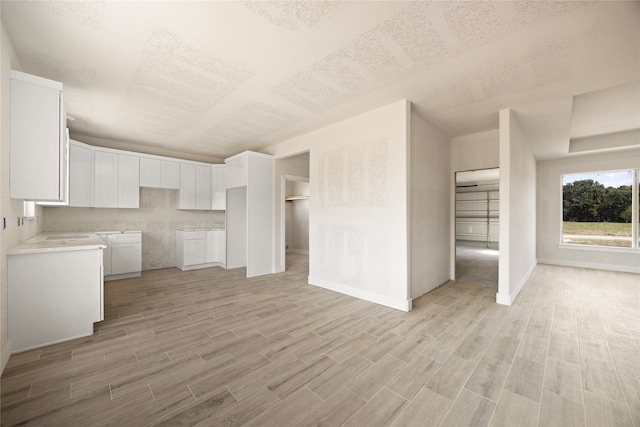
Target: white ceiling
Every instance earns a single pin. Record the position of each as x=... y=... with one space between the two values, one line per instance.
x=215 y=78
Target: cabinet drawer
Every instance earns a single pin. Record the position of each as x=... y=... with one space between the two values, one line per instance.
x=124 y=238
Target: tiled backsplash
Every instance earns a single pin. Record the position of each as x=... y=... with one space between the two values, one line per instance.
x=157 y=218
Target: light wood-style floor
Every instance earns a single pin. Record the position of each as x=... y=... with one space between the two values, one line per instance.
x=212 y=348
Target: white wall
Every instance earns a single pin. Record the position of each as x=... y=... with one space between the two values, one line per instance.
x=517 y=257
x=11 y=209
x=550 y=212
x=475 y=151
x=429 y=207
x=358 y=204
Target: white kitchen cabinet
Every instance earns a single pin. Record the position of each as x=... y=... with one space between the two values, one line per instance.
x=128 y=181
x=106 y=255
x=195 y=187
x=39 y=144
x=219 y=188
x=116 y=180
x=199 y=249
x=54 y=296
x=156 y=173
x=187 y=193
x=105 y=179
x=203 y=187
x=194 y=251
x=80 y=175
x=215 y=247
x=236 y=174
x=122 y=257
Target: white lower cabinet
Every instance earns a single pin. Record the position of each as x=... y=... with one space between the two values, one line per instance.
x=53 y=296
x=123 y=256
x=200 y=249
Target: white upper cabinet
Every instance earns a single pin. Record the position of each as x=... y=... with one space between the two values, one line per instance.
x=80 y=175
x=158 y=173
x=187 y=193
x=39 y=168
x=236 y=174
x=128 y=181
x=116 y=180
x=203 y=187
x=219 y=187
x=195 y=187
x=106 y=179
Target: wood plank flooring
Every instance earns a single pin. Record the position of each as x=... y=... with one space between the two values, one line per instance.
x=212 y=348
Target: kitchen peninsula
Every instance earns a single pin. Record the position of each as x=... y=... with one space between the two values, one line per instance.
x=56 y=289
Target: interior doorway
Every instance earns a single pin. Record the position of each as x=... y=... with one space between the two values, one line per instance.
x=477 y=214
x=295 y=217
x=292 y=210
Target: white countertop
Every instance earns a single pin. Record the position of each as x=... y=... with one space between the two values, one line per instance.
x=58 y=242
x=118 y=232
x=201 y=229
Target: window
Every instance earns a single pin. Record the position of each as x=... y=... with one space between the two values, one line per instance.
x=597 y=208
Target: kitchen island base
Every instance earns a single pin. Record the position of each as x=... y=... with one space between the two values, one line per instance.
x=53 y=296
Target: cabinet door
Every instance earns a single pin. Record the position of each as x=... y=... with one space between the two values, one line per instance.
x=216 y=246
x=126 y=258
x=187 y=193
x=194 y=251
x=105 y=179
x=219 y=188
x=171 y=175
x=203 y=187
x=150 y=173
x=210 y=253
x=128 y=181
x=156 y=173
x=38 y=139
x=80 y=176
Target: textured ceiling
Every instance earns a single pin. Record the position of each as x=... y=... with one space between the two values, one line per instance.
x=216 y=78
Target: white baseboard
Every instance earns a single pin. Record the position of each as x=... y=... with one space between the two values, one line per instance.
x=403 y=305
x=199 y=266
x=508 y=299
x=608 y=267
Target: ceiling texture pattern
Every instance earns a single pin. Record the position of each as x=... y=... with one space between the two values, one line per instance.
x=215 y=78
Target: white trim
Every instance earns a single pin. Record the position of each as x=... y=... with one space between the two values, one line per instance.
x=582 y=247
x=184 y=268
x=508 y=299
x=591 y=265
x=403 y=305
